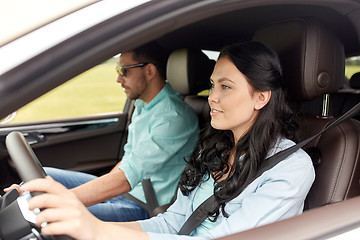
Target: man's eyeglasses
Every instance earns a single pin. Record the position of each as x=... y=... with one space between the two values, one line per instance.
x=121 y=70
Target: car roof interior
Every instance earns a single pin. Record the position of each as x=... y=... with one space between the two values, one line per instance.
x=240 y=25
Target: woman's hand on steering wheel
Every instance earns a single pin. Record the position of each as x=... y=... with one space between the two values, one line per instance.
x=63 y=212
x=13 y=186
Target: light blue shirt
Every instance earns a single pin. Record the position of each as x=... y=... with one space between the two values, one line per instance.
x=277 y=194
x=204 y=191
x=160 y=135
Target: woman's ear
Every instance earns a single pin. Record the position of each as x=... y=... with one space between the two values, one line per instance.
x=261 y=99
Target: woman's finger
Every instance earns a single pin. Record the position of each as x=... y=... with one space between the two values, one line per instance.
x=13 y=186
x=57 y=214
x=62 y=228
x=46 y=184
x=50 y=200
x=79 y=224
x=63 y=212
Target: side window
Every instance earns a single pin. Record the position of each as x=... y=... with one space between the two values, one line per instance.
x=92 y=92
x=352 y=66
x=213 y=55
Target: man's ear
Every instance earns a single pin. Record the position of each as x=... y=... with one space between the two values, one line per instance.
x=261 y=99
x=150 y=71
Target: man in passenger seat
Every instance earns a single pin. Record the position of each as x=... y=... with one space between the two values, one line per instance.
x=163 y=131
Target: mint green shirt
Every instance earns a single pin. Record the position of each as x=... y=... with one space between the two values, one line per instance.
x=160 y=135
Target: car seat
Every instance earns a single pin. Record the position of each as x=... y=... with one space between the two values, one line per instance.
x=354 y=81
x=188 y=72
x=346 y=98
x=340 y=101
x=313 y=67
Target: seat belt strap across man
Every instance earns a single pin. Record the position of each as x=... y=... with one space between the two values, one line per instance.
x=150 y=197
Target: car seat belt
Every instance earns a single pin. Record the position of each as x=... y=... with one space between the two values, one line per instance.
x=200 y=213
x=150 y=197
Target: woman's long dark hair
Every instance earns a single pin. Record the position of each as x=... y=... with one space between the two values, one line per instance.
x=261 y=67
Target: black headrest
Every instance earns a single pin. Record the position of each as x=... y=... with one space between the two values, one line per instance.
x=311 y=55
x=189 y=71
x=354 y=81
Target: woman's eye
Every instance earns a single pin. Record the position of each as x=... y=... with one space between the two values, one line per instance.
x=225 y=87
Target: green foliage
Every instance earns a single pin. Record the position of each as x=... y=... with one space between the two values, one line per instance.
x=353 y=61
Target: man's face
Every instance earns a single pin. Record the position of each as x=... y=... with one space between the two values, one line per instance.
x=134 y=83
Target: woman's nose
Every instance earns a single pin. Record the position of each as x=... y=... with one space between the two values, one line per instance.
x=213 y=96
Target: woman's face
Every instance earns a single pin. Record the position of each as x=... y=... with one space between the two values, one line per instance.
x=233 y=102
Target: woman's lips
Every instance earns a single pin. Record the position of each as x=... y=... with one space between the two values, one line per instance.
x=215 y=112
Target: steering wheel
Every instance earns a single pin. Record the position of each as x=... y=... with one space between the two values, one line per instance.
x=27 y=164
x=28 y=167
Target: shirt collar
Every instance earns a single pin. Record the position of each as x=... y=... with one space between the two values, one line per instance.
x=140 y=104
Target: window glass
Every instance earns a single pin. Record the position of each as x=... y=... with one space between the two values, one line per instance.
x=213 y=55
x=352 y=66
x=92 y=92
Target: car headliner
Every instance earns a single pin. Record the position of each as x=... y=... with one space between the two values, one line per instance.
x=241 y=23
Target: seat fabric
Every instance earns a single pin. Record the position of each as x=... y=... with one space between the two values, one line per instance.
x=188 y=72
x=313 y=64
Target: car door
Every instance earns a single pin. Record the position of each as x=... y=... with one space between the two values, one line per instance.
x=80 y=125
x=51 y=55
x=62 y=50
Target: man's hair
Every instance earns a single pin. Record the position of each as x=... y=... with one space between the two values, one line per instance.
x=152 y=53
